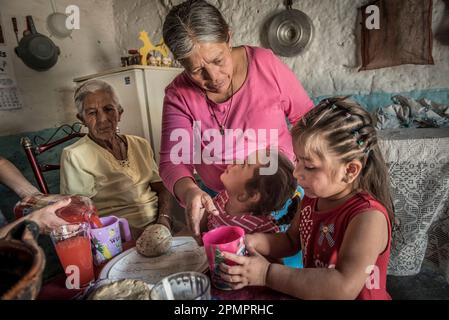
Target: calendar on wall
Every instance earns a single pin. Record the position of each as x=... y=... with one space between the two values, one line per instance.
x=9 y=93
x=2 y=37
x=9 y=98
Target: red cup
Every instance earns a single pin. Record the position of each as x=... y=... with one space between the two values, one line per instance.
x=222 y=239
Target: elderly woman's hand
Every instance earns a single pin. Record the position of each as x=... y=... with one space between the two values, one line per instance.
x=197 y=203
x=250 y=270
x=46 y=217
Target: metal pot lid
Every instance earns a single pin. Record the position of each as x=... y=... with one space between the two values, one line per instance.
x=290 y=32
x=56 y=25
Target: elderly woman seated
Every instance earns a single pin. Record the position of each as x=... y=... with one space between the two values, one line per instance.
x=118 y=172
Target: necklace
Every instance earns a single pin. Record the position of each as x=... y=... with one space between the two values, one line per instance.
x=212 y=111
x=124 y=162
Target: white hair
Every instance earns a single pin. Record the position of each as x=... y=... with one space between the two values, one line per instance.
x=192 y=22
x=92 y=86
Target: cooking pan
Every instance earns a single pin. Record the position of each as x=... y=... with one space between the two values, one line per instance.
x=36 y=50
x=56 y=23
x=22 y=263
x=290 y=32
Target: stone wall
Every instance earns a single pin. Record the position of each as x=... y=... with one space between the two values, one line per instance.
x=329 y=66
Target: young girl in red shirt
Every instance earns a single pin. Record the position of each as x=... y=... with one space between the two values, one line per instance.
x=344 y=223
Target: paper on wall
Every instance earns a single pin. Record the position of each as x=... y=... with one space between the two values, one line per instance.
x=2 y=36
x=9 y=93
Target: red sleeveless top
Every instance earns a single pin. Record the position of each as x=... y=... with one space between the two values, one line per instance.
x=322 y=234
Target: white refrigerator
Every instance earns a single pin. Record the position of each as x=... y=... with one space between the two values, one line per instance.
x=141 y=91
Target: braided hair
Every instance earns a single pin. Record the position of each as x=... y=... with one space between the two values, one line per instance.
x=343 y=128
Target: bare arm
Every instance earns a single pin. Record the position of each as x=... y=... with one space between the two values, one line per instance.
x=183 y=186
x=165 y=200
x=365 y=238
x=164 y=209
x=13 y=178
x=277 y=245
x=197 y=202
x=45 y=218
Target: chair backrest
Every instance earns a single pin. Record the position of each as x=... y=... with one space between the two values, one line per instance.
x=33 y=151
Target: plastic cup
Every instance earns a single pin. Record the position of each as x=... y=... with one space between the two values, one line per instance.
x=223 y=239
x=72 y=244
x=182 y=286
x=107 y=241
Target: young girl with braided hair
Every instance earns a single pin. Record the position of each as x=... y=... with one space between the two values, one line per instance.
x=343 y=225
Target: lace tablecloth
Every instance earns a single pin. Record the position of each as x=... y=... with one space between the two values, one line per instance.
x=418 y=161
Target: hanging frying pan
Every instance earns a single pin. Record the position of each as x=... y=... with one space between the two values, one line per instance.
x=36 y=50
x=290 y=32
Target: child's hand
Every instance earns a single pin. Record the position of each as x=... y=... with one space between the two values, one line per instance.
x=250 y=271
x=251 y=240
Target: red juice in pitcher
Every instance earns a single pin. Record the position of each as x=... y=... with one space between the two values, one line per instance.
x=76 y=251
x=80 y=209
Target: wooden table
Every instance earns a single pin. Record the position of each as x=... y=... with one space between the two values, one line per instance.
x=55 y=289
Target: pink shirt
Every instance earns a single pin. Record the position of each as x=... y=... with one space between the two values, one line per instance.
x=270 y=93
x=249 y=222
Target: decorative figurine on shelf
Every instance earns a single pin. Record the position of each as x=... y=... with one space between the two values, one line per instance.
x=134 y=57
x=148 y=47
x=152 y=60
x=158 y=60
x=167 y=62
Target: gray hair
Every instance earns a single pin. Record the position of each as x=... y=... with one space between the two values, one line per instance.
x=90 y=87
x=192 y=22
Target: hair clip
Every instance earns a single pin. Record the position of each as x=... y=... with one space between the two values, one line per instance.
x=333 y=107
x=360 y=143
x=356 y=134
x=348 y=115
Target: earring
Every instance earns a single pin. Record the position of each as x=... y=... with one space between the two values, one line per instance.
x=117 y=130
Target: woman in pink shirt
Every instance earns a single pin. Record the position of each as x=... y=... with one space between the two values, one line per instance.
x=226 y=104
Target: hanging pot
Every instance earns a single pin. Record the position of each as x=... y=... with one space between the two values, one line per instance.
x=56 y=23
x=290 y=32
x=36 y=50
x=22 y=263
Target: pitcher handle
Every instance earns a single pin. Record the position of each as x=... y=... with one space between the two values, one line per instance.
x=124 y=229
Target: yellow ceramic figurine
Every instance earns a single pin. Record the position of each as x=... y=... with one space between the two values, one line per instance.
x=148 y=47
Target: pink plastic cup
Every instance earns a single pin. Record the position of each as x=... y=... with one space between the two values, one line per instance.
x=222 y=239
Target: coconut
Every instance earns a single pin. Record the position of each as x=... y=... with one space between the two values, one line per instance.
x=155 y=240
